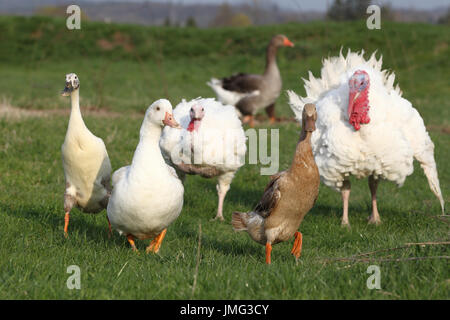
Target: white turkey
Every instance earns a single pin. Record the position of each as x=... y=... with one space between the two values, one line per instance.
x=210 y=144
x=364 y=128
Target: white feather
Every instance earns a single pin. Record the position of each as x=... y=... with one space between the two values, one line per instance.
x=219 y=142
x=385 y=147
x=228 y=97
x=147 y=197
x=85 y=161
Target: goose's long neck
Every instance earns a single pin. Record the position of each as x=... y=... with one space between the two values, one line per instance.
x=148 y=155
x=76 y=120
x=271 y=61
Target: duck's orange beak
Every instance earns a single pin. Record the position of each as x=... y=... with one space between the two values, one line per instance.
x=170 y=121
x=287 y=43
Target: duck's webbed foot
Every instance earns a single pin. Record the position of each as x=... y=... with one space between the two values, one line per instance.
x=297 y=248
x=156 y=243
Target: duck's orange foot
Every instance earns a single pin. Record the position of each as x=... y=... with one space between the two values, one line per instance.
x=249 y=119
x=130 y=239
x=66 y=224
x=109 y=228
x=268 y=252
x=297 y=248
x=156 y=243
x=272 y=120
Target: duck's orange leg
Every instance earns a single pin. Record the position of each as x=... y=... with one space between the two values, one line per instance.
x=156 y=243
x=270 y=110
x=109 y=227
x=268 y=251
x=249 y=119
x=66 y=223
x=130 y=239
x=297 y=248
x=252 y=122
x=272 y=120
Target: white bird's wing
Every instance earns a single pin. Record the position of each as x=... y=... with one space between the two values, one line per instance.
x=119 y=174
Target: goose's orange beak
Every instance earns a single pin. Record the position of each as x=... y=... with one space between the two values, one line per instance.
x=170 y=121
x=287 y=43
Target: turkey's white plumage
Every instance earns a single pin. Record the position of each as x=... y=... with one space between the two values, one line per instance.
x=218 y=144
x=385 y=147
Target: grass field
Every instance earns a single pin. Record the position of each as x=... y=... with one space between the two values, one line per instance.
x=122 y=70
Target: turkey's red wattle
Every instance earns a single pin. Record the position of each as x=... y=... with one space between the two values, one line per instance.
x=358 y=108
x=193 y=125
x=190 y=127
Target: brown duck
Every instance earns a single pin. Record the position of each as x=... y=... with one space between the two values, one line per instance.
x=251 y=92
x=287 y=198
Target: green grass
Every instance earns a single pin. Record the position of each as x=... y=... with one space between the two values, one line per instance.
x=176 y=63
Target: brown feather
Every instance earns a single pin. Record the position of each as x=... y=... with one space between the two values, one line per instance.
x=242 y=82
x=289 y=195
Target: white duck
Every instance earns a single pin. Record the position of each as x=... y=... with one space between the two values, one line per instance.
x=211 y=144
x=364 y=128
x=147 y=195
x=86 y=164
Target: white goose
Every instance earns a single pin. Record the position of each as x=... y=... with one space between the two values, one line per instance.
x=86 y=164
x=147 y=195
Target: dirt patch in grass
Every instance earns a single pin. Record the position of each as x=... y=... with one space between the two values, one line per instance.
x=9 y=112
x=14 y=113
x=119 y=39
x=440 y=47
x=439 y=128
x=36 y=34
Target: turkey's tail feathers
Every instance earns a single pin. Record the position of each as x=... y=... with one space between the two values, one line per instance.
x=296 y=103
x=426 y=159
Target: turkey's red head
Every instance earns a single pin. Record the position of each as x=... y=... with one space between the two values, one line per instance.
x=196 y=113
x=358 y=99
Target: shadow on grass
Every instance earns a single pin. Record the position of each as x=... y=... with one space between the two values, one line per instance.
x=46 y=217
x=236 y=195
x=215 y=240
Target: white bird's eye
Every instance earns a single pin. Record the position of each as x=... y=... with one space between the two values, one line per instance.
x=158 y=108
